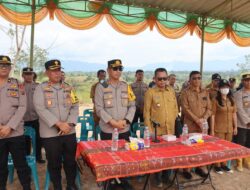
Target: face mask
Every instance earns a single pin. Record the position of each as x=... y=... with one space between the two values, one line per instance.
x=224 y=91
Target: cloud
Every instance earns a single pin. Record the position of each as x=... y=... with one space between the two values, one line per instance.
x=102 y=43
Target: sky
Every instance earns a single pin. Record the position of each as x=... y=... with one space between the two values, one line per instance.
x=148 y=49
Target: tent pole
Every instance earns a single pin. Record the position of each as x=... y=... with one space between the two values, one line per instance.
x=202 y=44
x=33 y=7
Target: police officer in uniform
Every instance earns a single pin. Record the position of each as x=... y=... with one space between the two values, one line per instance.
x=31 y=117
x=139 y=88
x=12 y=109
x=115 y=105
x=57 y=107
x=101 y=75
x=242 y=99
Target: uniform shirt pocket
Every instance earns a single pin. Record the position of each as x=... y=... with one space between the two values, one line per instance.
x=124 y=99
x=67 y=101
x=14 y=98
x=204 y=101
x=50 y=100
x=108 y=100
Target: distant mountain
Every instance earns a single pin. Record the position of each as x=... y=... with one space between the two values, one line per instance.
x=171 y=66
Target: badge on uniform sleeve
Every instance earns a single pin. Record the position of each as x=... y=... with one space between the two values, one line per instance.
x=73 y=97
x=131 y=95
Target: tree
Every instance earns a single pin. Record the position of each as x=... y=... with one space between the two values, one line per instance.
x=245 y=66
x=19 y=55
x=40 y=57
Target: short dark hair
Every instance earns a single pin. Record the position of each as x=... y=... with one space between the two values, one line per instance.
x=160 y=70
x=139 y=71
x=100 y=71
x=194 y=73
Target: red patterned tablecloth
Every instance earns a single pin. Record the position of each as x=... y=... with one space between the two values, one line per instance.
x=106 y=164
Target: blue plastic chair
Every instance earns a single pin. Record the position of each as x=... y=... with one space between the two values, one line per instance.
x=86 y=126
x=88 y=112
x=135 y=127
x=31 y=159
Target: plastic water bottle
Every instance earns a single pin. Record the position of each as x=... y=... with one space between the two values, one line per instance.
x=115 y=135
x=184 y=136
x=205 y=129
x=146 y=137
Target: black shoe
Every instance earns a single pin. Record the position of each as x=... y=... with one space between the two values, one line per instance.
x=218 y=170
x=187 y=175
x=226 y=169
x=40 y=161
x=200 y=172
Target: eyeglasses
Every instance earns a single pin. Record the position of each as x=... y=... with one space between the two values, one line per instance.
x=162 y=78
x=4 y=66
x=196 y=78
x=120 y=68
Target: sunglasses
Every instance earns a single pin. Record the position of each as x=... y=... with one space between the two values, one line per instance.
x=162 y=78
x=196 y=78
x=120 y=68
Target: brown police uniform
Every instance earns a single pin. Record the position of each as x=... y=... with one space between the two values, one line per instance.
x=195 y=106
x=160 y=106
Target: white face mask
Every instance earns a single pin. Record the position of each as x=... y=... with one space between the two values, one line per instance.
x=224 y=91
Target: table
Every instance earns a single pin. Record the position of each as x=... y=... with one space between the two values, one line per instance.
x=107 y=165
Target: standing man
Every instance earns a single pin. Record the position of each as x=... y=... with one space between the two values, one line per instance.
x=139 y=88
x=197 y=109
x=242 y=99
x=57 y=107
x=31 y=117
x=172 y=82
x=115 y=105
x=213 y=87
x=12 y=109
x=232 y=83
x=101 y=75
x=160 y=106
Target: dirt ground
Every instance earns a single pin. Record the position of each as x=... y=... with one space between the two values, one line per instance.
x=235 y=181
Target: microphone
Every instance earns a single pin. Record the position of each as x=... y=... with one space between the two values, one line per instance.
x=155 y=125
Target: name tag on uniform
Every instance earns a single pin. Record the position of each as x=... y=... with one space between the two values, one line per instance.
x=246 y=104
x=49 y=102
